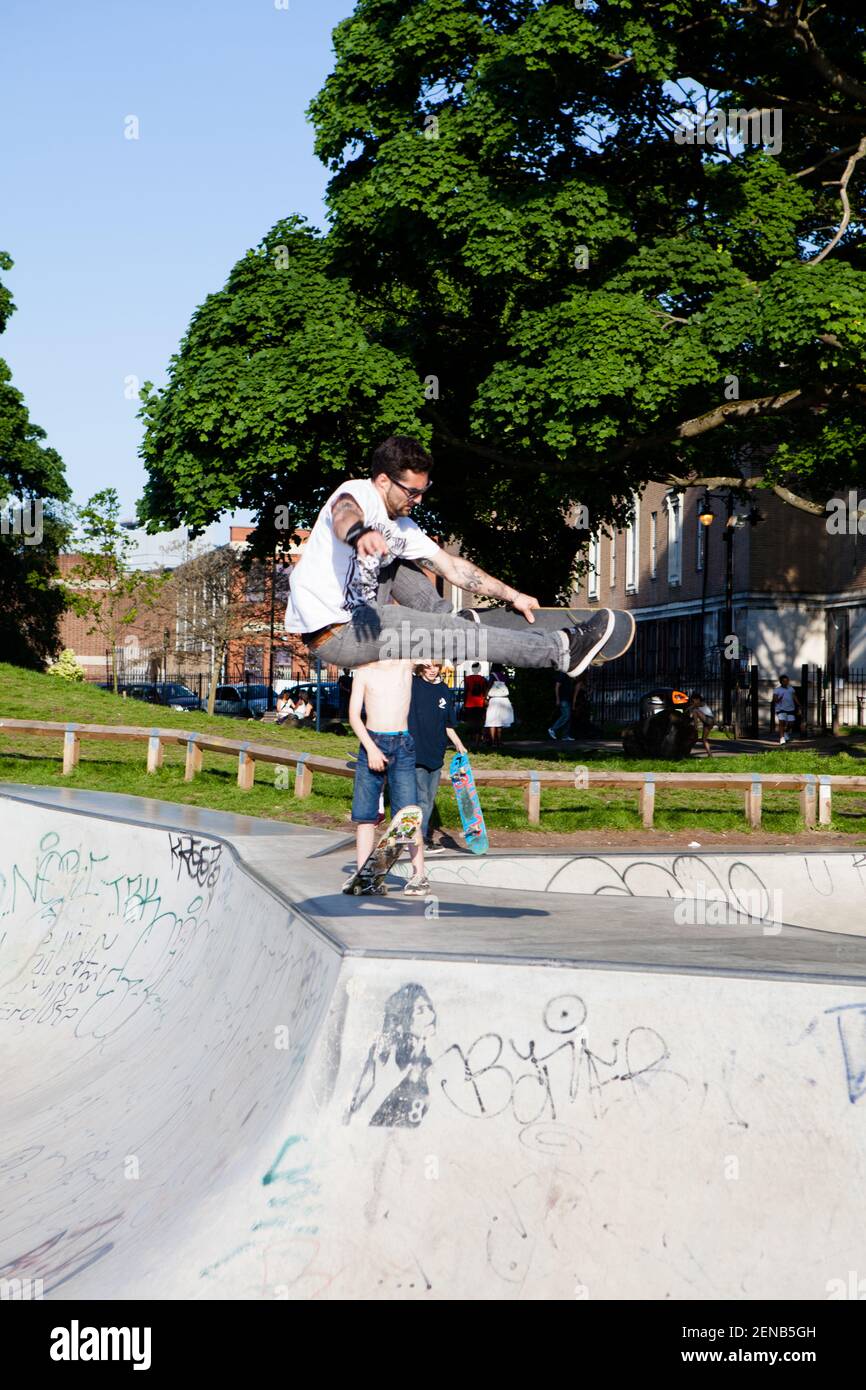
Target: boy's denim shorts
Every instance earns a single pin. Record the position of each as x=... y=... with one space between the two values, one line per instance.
x=399 y=749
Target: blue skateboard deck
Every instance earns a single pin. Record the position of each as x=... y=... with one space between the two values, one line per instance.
x=471 y=815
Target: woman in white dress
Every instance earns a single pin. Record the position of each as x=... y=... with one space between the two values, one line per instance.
x=500 y=712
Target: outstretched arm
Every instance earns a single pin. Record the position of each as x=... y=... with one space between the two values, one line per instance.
x=464 y=574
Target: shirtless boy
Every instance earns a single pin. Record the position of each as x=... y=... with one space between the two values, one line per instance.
x=383 y=691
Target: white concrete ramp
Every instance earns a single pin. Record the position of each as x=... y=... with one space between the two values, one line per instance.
x=818 y=889
x=205 y=1095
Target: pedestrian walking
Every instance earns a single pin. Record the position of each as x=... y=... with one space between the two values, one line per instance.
x=565 y=694
x=787 y=707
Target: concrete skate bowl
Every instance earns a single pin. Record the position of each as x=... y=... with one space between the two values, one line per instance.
x=204 y=1098
x=821 y=890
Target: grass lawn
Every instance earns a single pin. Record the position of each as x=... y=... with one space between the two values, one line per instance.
x=119 y=767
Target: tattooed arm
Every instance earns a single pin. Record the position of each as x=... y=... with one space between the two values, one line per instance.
x=464 y=574
x=346 y=513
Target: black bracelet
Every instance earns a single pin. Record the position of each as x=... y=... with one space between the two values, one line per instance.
x=355 y=532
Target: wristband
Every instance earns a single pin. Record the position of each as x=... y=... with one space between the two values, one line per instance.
x=355 y=532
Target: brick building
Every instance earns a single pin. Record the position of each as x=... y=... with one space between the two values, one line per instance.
x=144 y=644
x=799 y=591
x=261 y=596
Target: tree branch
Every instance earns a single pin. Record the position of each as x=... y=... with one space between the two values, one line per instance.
x=750 y=484
x=846 y=206
x=800 y=31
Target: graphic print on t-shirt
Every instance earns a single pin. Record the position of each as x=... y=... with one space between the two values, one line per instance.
x=329 y=580
x=362 y=580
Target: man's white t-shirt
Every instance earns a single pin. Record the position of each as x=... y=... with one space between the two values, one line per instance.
x=330 y=580
x=785 y=702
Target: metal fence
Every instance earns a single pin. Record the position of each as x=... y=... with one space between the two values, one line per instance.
x=615 y=699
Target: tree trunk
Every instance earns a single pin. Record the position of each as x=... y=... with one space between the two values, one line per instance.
x=214 y=667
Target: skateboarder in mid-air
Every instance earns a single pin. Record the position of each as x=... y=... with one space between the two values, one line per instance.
x=382 y=691
x=359 y=592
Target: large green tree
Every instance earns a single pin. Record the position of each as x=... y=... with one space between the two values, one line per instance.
x=33 y=524
x=541 y=261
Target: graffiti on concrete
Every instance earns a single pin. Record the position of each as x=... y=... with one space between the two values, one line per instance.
x=533 y=1080
x=851 y=1023
x=200 y=858
x=393 y=1084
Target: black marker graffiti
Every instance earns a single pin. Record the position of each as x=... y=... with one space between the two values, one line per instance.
x=200 y=858
x=534 y=1082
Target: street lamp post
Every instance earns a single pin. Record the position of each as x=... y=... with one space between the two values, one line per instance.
x=706 y=519
x=728 y=669
x=166 y=636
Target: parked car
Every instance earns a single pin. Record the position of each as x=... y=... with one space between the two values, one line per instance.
x=243 y=701
x=665 y=728
x=157 y=693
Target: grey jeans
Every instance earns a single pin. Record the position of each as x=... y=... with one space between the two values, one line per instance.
x=426 y=787
x=418 y=625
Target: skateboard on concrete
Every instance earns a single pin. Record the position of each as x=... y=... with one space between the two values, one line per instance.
x=471 y=815
x=616 y=645
x=370 y=877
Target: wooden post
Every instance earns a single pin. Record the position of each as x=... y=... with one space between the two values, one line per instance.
x=825 y=801
x=532 y=798
x=246 y=770
x=648 y=800
x=71 y=750
x=193 y=758
x=303 y=778
x=154 y=751
x=753 y=802
x=808 y=807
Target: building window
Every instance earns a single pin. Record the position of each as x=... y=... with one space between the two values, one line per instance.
x=594 y=567
x=632 y=571
x=254 y=662
x=255 y=585
x=613 y=559
x=654 y=544
x=673 y=504
x=699 y=545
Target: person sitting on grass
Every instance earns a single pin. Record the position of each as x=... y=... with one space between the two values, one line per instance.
x=303 y=710
x=285 y=706
x=383 y=690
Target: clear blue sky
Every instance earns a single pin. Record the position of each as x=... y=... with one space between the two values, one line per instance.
x=116 y=241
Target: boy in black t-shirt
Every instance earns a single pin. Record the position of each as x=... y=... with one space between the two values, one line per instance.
x=431 y=724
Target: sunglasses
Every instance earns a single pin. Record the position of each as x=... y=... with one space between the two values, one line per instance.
x=416 y=493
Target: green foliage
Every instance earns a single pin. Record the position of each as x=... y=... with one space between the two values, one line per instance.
x=34 y=526
x=67 y=667
x=102 y=587
x=481 y=153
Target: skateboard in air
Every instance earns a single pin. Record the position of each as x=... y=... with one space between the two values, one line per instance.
x=471 y=815
x=616 y=645
x=403 y=831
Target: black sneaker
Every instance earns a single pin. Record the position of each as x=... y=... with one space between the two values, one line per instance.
x=431 y=848
x=585 y=640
